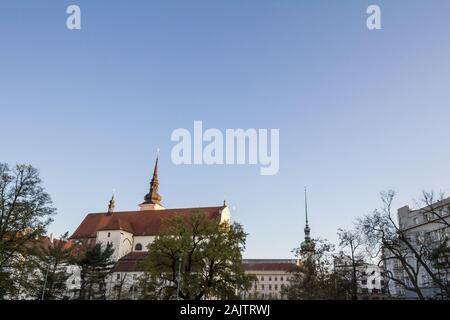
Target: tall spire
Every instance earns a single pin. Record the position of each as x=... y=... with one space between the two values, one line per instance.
x=112 y=205
x=307 y=245
x=153 y=197
x=307 y=229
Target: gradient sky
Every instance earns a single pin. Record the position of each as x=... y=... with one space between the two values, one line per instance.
x=359 y=111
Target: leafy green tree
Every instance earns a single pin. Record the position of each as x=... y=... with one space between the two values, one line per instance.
x=200 y=256
x=149 y=287
x=52 y=262
x=25 y=213
x=96 y=266
x=314 y=279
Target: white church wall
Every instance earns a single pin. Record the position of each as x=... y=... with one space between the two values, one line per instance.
x=126 y=244
x=225 y=215
x=129 y=283
x=122 y=241
x=144 y=241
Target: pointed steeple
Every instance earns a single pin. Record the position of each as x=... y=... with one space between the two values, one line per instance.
x=153 y=197
x=112 y=205
x=307 y=229
x=307 y=245
x=152 y=200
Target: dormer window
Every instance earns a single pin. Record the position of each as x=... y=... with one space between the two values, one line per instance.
x=138 y=247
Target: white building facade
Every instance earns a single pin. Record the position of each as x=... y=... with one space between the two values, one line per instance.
x=272 y=276
x=425 y=228
x=371 y=284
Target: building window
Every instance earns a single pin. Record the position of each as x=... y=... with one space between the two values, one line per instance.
x=262 y=287
x=373 y=281
x=276 y=287
x=281 y=278
x=270 y=278
x=424 y=279
x=270 y=287
x=118 y=276
x=262 y=278
x=364 y=282
x=276 y=278
x=73 y=281
x=109 y=234
x=138 y=247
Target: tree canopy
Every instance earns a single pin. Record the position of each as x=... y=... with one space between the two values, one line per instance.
x=25 y=213
x=200 y=257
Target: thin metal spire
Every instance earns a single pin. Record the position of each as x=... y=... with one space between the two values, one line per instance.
x=307 y=245
x=306 y=207
x=307 y=229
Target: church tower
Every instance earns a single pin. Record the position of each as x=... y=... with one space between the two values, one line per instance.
x=152 y=200
x=307 y=246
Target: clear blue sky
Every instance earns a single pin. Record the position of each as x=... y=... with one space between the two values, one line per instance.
x=359 y=111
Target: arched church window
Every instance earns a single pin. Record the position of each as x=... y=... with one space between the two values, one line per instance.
x=138 y=247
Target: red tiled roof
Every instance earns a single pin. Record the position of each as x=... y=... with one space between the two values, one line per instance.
x=287 y=267
x=139 y=223
x=44 y=243
x=130 y=262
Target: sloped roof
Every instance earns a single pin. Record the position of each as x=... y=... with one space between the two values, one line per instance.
x=270 y=266
x=139 y=223
x=131 y=262
x=44 y=243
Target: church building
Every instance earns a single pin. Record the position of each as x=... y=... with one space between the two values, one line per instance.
x=130 y=232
